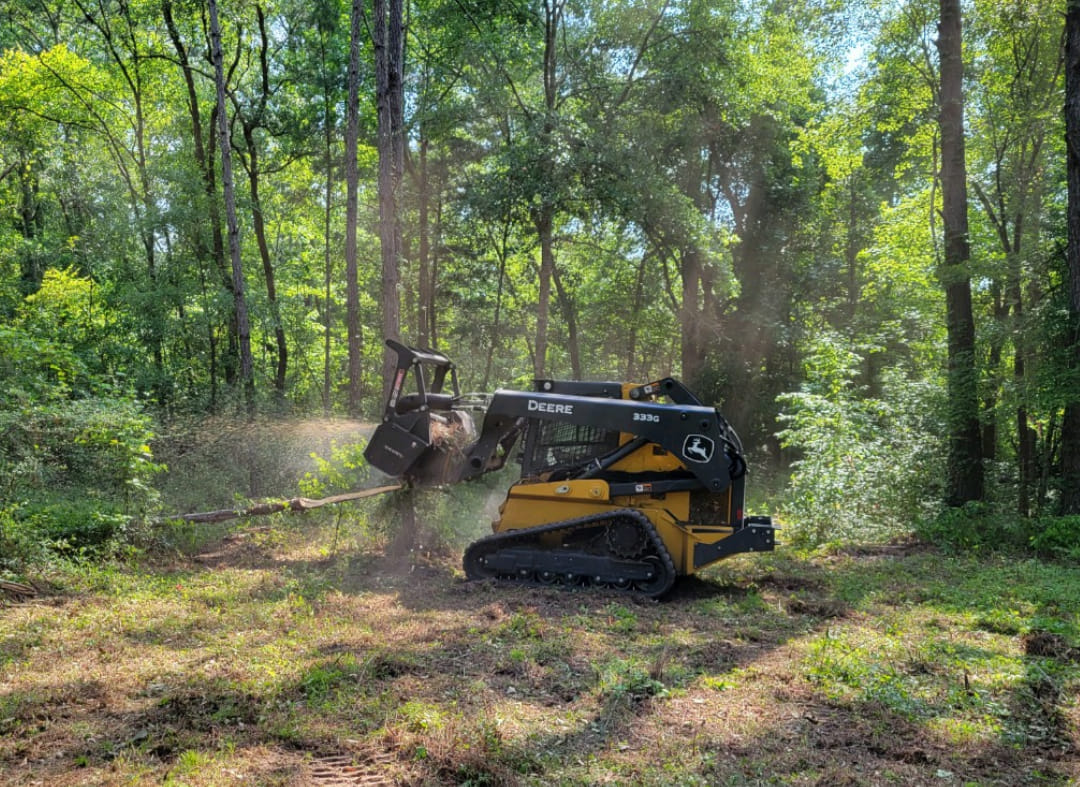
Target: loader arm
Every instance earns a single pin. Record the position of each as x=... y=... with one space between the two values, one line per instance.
x=697 y=435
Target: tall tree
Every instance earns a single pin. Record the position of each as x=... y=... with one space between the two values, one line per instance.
x=211 y=257
x=1015 y=106
x=253 y=117
x=965 y=443
x=388 y=40
x=352 y=185
x=544 y=208
x=121 y=32
x=1070 y=432
x=247 y=379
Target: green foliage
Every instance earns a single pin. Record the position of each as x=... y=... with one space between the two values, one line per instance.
x=344 y=471
x=75 y=528
x=975 y=527
x=34 y=369
x=457 y=514
x=983 y=528
x=866 y=465
x=99 y=446
x=722 y=178
x=1057 y=537
x=628 y=680
x=76 y=477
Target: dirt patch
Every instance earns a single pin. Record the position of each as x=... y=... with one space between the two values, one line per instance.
x=899 y=547
x=236 y=550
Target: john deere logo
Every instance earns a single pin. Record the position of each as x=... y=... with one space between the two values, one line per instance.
x=698 y=448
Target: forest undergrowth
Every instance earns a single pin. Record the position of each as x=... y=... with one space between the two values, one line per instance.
x=293 y=652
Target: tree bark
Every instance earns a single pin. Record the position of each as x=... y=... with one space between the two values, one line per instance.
x=496 y=327
x=247 y=379
x=249 y=125
x=544 y=214
x=387 y=40
x=566 y=306
x=690 y=314
x=635 y=312
x=214 y=256
x=543 y=222
x=328 y=259
x=1070 y=427
x=352 y=184
x=425 y=301
x=965 y=443
x=292 y=504
x=258 y=226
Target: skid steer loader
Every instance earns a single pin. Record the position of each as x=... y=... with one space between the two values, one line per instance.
x=622 y=485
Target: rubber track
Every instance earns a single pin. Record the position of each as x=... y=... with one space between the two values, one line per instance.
x=512 y=538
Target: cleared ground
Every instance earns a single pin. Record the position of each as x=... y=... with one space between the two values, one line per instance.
x=280 y=657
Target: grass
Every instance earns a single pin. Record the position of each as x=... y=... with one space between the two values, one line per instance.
x=271 y=659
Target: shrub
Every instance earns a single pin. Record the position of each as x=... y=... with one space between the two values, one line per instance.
x=1056 y=537
x=75 y=476
x=981 y=527
x=867 y=466
x=975 y=527
x=75 y=528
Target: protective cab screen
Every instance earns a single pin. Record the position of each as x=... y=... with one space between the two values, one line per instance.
x=551 y=445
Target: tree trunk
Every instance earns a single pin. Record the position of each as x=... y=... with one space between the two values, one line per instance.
x=352 y=183
x=387 y=40
x=328 y=259
x=1070 y=428
x=425 y=301
x=690 y=315
x=434 y=259
x=1025 y=436
x=276 y=507
x=965 y=444
x=258 y=226
x=994 y=375
x=566 y=307
x=635 y=312
x=30 y=222
x=544 y=215
x=214 y=256
x=247 y=379
x=495 y=322
x=543 y=222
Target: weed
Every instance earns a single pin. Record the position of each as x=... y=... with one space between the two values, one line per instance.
x=621 y=619
x=320 y=680
x=628 y=679
x=419 y=716
x=523 y=625
x=717 y=683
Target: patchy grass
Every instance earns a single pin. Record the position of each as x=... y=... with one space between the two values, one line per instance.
x=272 y=659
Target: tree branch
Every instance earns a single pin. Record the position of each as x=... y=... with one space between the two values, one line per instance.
x=292 y=504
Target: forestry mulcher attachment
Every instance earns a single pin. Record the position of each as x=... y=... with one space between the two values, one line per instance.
x=622 y=485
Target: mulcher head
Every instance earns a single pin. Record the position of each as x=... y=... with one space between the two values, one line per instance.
x=423 y=437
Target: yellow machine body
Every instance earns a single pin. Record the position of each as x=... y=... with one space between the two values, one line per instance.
x=530 y=503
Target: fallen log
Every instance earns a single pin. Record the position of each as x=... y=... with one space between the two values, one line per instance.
x=292 y=504
x=17 y=590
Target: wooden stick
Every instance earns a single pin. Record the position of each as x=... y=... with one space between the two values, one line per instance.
x=292 y=504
